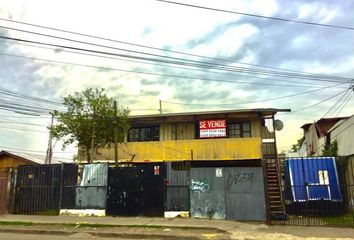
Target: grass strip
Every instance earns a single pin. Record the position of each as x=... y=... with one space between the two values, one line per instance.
x=97 y=225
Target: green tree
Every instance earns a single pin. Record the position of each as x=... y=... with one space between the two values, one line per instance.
x=296 y=147
x=330 y=150
x=90 y=121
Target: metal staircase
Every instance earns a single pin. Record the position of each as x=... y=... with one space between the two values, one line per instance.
x=275 y=205
x=274 y=194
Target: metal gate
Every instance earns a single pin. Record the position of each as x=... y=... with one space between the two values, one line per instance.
x=38 y=189
x=84 y=188
x=234 y=193
x=136 y=190
x=317 y=191
x=3 y=195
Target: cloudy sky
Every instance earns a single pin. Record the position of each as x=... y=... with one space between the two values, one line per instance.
x=190 y=58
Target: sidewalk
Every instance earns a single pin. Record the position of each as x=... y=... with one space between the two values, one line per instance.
x=202 y=227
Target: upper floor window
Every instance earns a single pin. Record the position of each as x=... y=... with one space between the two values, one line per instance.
x=239 y=130
x=144 y=133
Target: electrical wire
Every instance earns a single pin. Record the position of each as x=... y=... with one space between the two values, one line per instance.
x=174 y=67
x=345 y=102
x=338 y=102
x=323 y=144
x=310 y=106
x=21 y=123
x=23 y=129
x=145 y=46
x=9 y=92
x=35 y=151
x=38 y=156
x=262 y=100
x=257 y=16
x=150 y=73
x=180 y=61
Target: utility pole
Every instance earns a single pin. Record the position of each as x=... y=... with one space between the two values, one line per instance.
x=48 y=158
x=115 y=137
x=160 y=107
x=93 y=135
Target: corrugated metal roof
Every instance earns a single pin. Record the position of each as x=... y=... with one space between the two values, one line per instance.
x=23 y=157
x=258 y=110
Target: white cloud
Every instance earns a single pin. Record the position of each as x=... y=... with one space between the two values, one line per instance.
x=317 y=11
x=157 y=24
x=229 y=42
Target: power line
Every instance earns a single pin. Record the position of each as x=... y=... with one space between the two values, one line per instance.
x=345 y=102
x=318 y=103
x=174 y=67
x=23 y=129
x=34 y=117
x=35 y=151
x=339 y=102
x=257 y=16
x=262 y=100
x=9 y=92
x=178 y=61
x=145 y=46
x=37 y=156
x=335 y=135
x=21 y=123
x=24 y=104
x=149 y=73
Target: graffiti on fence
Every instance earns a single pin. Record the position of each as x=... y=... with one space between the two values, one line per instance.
x=240 y=178
x=200 y=185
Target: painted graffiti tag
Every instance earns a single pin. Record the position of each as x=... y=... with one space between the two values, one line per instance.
x=240 y=178
x=200 y=185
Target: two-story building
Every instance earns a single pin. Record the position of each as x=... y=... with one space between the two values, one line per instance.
x=220 y=164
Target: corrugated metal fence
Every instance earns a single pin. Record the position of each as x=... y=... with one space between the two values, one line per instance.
x=38 y=189
x=317 y=192
x=85 y=188
x=177 y=186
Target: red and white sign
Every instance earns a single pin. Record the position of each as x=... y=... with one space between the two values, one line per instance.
x=156 y=170
x=212 y=128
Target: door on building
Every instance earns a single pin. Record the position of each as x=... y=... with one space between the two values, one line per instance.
x=3 y=193
x=235 y=193
x=136 y=190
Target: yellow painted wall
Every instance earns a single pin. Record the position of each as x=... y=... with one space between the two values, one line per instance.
x=177 y=131
x=255 y=128
x=184 y=150
x=10 y=162
x=186 y=131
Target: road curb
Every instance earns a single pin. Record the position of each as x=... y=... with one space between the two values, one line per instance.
x=86 y=224
x=97 y=234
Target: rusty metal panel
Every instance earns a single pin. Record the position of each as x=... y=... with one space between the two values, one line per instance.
x=3 y=195
x=91 y=197
x=92 y=190
x=94 y=175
